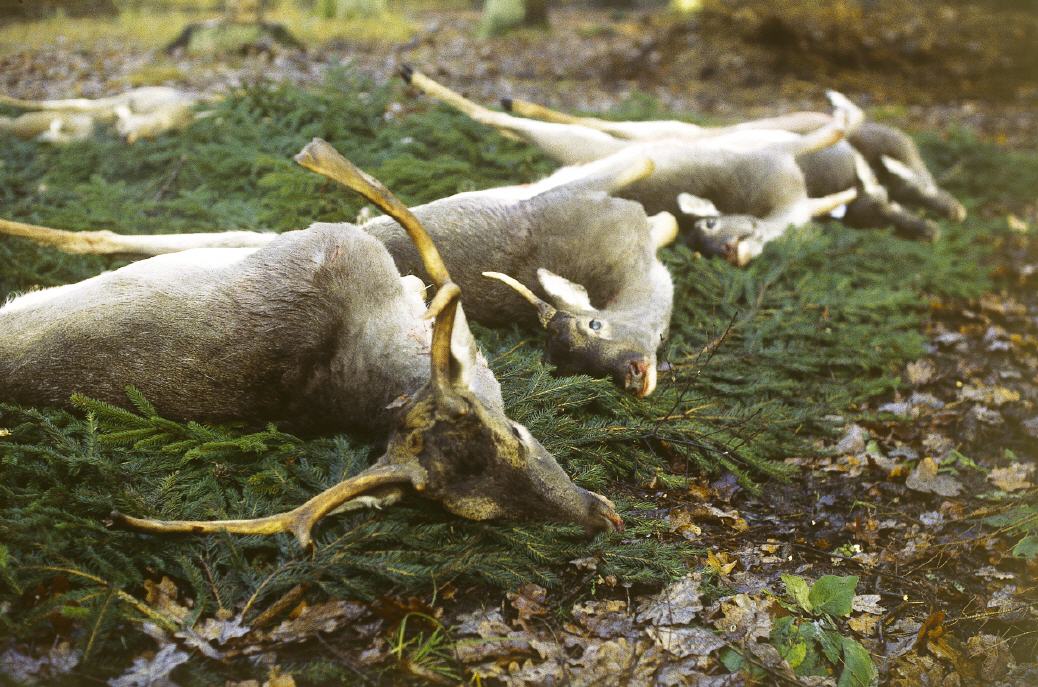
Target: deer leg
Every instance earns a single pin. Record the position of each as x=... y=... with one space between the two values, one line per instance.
x=663 y=228
x=567 y=143
x=631 y=131
x=105 y=242
x=816 y=207
x=299 y=521
x=611 y=174
x=68 y=105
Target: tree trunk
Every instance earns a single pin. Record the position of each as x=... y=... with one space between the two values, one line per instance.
x=501 y=15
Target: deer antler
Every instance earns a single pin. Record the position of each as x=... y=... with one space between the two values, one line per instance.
x=299 y=521
x=545 y=311
x=319 y=156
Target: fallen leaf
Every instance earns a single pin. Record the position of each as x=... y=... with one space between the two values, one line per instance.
x=989 y=395
x=1012 y=478
x=868 y=603
x=528 y=602
x=604 y=619
x=720 y=563
x=920 y=372
x=313 y=620
x=590 y=563
x=744 y=618
x=992 y=653
x=931 y=630
x=686 y=641
x=220 y=631
x=678 y=604
x=864 y=624
x=483 y=623
x=680 y=521
x=60 y=659
x=1017 y=224
x=924 y=478
x=162 y=596
x=152 y=672
x=853 y=442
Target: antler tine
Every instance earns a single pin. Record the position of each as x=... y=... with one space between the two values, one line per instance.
x=545 y=311
x=319 y=156
x=299 y=521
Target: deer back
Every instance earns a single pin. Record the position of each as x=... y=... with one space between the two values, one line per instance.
x=317 y=328
x=588 y=237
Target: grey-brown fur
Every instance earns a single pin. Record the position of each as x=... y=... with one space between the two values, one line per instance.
x=751 y=177
x=316 y=329
x=600 y=243
x=291 y=333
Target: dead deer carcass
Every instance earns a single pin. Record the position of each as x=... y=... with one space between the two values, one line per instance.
x=317 y=328
x=737 y=192
x=138 y=113
x=585 y=260
x=898 y=174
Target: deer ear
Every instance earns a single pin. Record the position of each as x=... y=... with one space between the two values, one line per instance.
x=566 y=294
x=899 y=169
x=464 y=350
x=414 y=287
x=696 y=206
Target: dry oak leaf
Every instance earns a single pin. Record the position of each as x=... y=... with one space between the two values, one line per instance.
x=924 y=478
x=1013 y=477
x=744 y=618
x=678 y=604
x=528 y=601
x=605 y=619
x=989 y=395
x=313 y=620
x=162 y=596
x=686 y=641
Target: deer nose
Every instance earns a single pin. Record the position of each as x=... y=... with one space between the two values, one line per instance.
x=730 y=251
x=640 y=379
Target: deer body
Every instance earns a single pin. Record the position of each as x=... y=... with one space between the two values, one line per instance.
x=891 y=154
x=592 y=256
x=316 y=328
x=751 y=178
x=138 y=113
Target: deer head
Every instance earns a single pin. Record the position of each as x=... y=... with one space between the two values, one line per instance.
x=448 y=444
x=583 y=339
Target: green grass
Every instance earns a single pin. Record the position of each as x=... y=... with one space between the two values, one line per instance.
x=822 y=321
x=143 y=26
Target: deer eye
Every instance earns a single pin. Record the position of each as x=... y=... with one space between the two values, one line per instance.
x=711 y=223
x=594 y=325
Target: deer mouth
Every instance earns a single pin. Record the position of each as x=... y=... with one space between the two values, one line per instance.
x=640 y=378
x=604 y=515
x=615 y=522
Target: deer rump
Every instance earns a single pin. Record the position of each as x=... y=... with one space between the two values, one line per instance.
x=218 y=334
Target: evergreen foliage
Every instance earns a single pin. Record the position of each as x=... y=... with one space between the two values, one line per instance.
x=761 y=358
